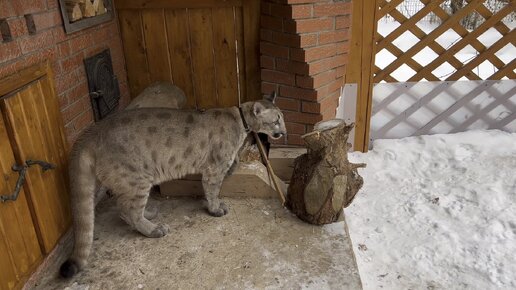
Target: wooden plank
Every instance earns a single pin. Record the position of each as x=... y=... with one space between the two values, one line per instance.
x=251 y=18
x=53 y=131
x=201 y=37
x=134 y=50
x=46 y=189
x=239 y=32
x=503 y=72
x=12 y=83
x=155 y=36
x=224 y=44
x=19 y=245
x=355 y=51
x=179 y=51
x=362 y=72
x=456 y=47
x=429 y=38
x=176 y=4
x=369 y=58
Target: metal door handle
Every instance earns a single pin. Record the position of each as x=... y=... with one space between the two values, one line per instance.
x=22 y=169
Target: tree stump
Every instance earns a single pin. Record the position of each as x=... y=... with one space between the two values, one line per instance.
x=324 y=181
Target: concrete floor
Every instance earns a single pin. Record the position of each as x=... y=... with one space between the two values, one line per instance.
x=258 y=245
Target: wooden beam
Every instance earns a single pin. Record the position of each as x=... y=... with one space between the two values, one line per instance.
x=168 y=4
x=360 y=67
x=11 y=83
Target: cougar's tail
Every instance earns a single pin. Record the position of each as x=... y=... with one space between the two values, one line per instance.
x=82 y=186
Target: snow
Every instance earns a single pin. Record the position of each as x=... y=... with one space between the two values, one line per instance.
x=437 y=211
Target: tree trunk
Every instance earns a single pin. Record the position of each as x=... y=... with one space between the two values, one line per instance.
x=324 y=181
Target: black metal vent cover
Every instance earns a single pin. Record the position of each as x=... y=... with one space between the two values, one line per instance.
x=102 y=84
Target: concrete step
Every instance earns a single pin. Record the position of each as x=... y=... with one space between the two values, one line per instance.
x=248 y=180
x=257 y=245
x=282 y=161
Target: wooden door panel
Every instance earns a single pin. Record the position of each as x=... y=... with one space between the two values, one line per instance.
x=156 y=46
x=179 y=51
x=201 y=39
x=225 y=50
x=210 y=49
x=36 y=131
x=19 y=248
x=131 y=28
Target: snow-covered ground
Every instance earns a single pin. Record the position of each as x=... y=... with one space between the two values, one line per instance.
x=437 y=212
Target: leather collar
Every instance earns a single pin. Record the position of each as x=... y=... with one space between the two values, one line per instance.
x=246 y=127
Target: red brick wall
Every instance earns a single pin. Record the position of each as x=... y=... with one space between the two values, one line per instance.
x=66 y=53
x=304 y=51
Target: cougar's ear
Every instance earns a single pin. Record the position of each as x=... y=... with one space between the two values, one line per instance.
x=258 y=108
x=270 y=97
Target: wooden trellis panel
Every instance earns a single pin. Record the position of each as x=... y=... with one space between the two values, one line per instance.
x=363 y=71
x=445 y=54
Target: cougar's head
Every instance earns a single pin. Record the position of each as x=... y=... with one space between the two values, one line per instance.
x=268 y=117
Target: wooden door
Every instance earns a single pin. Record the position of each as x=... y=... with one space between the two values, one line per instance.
x=33 y=116
x=208 y=48
x=20 y=251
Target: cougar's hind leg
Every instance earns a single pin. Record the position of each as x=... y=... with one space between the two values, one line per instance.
x=132 y=209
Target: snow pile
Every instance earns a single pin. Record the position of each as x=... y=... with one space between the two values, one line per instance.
x=437 y=212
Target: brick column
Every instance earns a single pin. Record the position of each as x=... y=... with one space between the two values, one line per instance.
x=304 y=51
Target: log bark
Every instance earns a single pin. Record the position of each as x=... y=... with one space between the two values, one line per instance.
x=324 y=181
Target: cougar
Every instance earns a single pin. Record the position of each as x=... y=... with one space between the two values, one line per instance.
x=132 y=150
x=160 y=94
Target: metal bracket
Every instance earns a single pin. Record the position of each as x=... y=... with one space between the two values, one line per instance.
x=22 y=170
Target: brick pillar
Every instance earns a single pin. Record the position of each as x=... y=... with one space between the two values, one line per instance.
x=304 y=51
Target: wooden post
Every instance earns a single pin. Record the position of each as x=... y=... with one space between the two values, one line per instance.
x=360 y=67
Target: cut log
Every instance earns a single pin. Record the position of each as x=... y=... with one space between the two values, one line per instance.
x=98 y=5
x=324 y=181
x=74 y=12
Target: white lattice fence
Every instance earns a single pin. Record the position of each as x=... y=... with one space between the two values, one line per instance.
x=419 y=108
x=443 y=78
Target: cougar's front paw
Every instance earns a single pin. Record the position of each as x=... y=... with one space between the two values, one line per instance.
x=222 y=210
x=160 y=231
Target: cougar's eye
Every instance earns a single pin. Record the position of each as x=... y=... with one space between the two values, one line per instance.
x=277 y=122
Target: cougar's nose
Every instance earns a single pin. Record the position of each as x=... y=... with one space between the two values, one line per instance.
x=278 y=135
